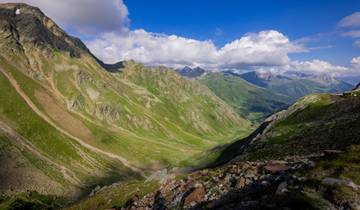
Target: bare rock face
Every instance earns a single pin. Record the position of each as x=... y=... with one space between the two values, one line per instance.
x=107 y=112
x=26 y=27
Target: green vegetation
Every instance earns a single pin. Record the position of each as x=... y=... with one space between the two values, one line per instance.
x=69 y=119
x=251 y=102
x=345 y=166
x=116 y=195
x=313 y=124
x=33 y=201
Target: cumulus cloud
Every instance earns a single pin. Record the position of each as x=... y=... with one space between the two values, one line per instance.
x=318 y=67
x=356 y=62
x=86 y=16
x=352 y=20
x=266 y=48
x=113 y=41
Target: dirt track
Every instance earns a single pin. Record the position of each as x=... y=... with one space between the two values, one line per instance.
x=63 y=131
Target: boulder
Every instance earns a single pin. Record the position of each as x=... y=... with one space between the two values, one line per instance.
x=328 y=181
x=275 y=167
x=241 y=183
x=195 y=196
x=282 y=189
x=331 y=153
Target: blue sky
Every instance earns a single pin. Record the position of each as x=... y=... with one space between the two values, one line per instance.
x=313 y=36
x=296 y=19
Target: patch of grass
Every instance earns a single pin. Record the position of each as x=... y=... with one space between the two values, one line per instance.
x=116 y=196
x=33 y=201
x=345 y=166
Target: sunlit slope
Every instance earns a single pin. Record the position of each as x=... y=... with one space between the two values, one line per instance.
x=250 y=101
x=77 y=113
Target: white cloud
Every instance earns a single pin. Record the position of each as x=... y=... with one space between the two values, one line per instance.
x=356 y=62
x=318 y=66
x=108 y=21
x=267 y=48
x=86 y=16
x=352 y=20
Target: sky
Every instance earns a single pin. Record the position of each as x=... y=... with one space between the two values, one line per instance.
x=311 y=36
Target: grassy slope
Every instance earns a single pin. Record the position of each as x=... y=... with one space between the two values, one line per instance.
x=248 y=100
x=143 y=114
x=116 y=195
x=127 y=117
x=313 y=124
x=52 y=144
x=149 y=117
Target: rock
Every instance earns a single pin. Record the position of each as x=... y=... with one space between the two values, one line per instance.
x=159 y=202
x=107 y=112
x=275 y=167
x=265 y=183
x=282 y=189
x=241 y=183
x=330 y=153
x=338 y=182
x=196 y=196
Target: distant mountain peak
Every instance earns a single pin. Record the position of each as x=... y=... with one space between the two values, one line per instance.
x=265 y=75
x=191 y=72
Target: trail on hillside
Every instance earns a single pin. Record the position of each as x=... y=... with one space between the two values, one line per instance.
x=20 y=140
x=18 y=89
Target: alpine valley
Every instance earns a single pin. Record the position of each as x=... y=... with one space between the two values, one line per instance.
x=77 y=133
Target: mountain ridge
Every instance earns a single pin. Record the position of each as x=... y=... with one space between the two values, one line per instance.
x=104 y=122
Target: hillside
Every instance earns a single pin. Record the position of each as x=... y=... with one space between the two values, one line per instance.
x=250 y=101
x=305 y=157
x=69 y=121
x=257 y=95
x=312 y=125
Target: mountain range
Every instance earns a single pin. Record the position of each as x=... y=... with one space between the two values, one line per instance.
x=78 y=133
x=257 y=95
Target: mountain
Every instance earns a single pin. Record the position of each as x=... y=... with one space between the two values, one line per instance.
x=296 y=85
x=69 y=122
x=305 y=157
x=354 y=80
x=313 y=124
x=357 y=86
x=256 y=95
x=191 y=73
x=250 y=101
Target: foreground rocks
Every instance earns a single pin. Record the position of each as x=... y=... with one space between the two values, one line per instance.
x=250 y=185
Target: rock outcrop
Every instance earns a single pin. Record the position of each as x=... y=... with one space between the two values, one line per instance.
x=252 y=185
